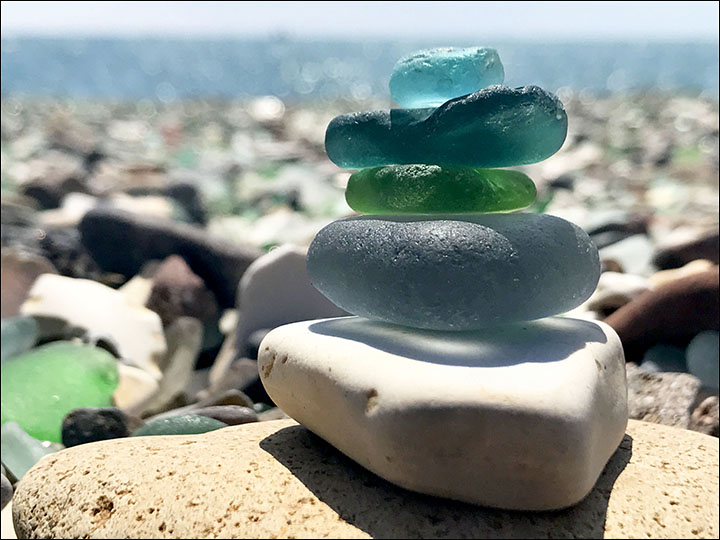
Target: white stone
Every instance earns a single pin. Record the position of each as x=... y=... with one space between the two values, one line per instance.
x=615 y=289
x=275 y=290
x=135 y=388
x=103 y=312
x=517 y=417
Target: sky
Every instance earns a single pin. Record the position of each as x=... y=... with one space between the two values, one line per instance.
x=688 y=21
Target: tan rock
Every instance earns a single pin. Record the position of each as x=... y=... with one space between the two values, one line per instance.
x=665 y=276
x=276 y=479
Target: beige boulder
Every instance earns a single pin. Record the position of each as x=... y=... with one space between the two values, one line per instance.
x=278 y=480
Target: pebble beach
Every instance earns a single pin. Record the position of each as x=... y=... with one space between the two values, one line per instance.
x=172 y=237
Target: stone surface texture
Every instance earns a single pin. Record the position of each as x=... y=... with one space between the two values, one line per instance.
x=494 y=127
x=283 y=481
x=431 y=77
x=453 y=272
x=520 y=417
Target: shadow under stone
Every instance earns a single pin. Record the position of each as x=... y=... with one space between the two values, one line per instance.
x=547 y=340
x=384 y=510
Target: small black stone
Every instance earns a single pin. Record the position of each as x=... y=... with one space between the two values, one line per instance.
x=86 y=425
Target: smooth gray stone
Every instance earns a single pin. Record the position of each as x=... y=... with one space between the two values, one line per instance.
x=6 y=490
x=454 y=272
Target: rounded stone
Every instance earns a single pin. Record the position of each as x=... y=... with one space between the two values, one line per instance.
x=187 y=424
x=436 y=189
x=6 y=490
x=431 y=77
x=454 y=272
x=284 y=481
x=90 y=424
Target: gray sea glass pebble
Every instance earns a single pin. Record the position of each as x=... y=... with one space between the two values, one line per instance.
x=452 y=272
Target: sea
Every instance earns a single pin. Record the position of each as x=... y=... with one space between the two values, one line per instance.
x=299 y=69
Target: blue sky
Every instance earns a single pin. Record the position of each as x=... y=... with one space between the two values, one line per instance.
x=688 y=21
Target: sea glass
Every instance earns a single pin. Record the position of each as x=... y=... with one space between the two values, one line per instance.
x=431 y=77
x=18 y=335
x=427 y=189
x=454 y=272
x=494 y=127
x=41 y=386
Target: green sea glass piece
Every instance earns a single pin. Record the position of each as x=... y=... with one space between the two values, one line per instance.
x=188 y=424
x=19 y=334
x=435 y=189
x=19 y=450
x=41 y=386
x=495 y=127
x=429 y=78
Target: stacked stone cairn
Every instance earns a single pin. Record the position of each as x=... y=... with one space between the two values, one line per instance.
x=457 y=377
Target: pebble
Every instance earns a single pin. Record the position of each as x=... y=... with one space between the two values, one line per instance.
x=663 y=358
x=135 y=332
x=232 y=415
x=178 y=292
x=123 y=242
x=694 y=267
x=19 y=334
x=702 y=358
x=135 y=388
x=19 y=450
x=452 y=272
x=6 y=491
x=435 y=189
x=299 y=486
x=703 y=246
x=634 y=254
x=673 y=313
x=275 y=290
x=615 y=289
x=487 y=400
x=41 y=386
x=186 y=424
x=431 y=77
x=19 y=272
x=662 y=398
x=494 y=127
x=90 y=424
x=706 y=416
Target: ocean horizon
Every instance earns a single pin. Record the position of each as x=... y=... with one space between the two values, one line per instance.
x=302 y=69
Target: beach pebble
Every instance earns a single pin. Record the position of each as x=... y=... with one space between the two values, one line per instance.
x=90 y=424
x=706 y=416
x=178 y=292
x=123 y=242
x=420 y=408
x=431 y=77
x=615 y=289
x=135 y=388
x=232 y=415
x=494 y=127
x=702 y=358
x=135 y=332
x=276 y=290
x=186 y=424
x=454 y=272
x=293 y=484
x=693 y=267
x=673 y=313
x=662 y=398
x=6 y=491
x=634 y=254
x=699 y=246
x=19 y=270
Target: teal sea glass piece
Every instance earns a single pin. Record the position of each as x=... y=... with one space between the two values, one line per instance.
x=431 y=77
x=18 y=335
x=19 y=450
x=188 y=424
x=454 y=272
x=41 y=386
x=436 y=189
x=495 y=127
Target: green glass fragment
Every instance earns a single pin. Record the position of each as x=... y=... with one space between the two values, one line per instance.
x=188 y=424
x=41 y=386
x=437 y=189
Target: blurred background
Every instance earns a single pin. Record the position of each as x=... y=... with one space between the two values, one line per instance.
x=135 y=131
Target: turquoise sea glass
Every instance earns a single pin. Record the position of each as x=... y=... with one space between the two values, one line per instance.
x=431 y=77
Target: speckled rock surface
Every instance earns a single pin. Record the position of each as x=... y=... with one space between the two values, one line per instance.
x=282 y=481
